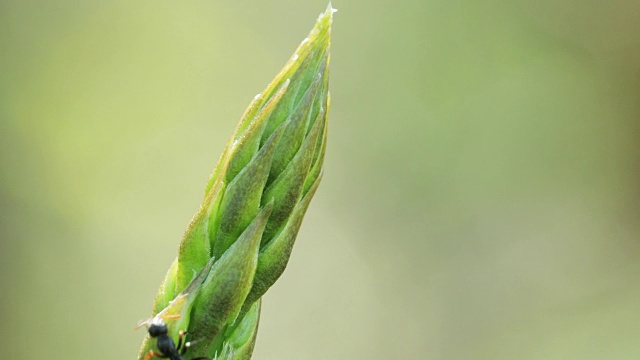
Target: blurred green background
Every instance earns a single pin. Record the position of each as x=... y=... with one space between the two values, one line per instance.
x=480 y=198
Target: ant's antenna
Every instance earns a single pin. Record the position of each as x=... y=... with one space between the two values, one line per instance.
x=156 y=319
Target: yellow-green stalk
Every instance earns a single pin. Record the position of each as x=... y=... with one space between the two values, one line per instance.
x=239 y=242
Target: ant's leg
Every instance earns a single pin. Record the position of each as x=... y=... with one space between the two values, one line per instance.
x=201 y=358
x=186 y=347
x=152 y=353
x=181 y=336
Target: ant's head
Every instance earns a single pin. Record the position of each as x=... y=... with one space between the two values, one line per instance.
x=157 y=327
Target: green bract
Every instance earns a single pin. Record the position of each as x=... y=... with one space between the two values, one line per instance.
x=239 y=242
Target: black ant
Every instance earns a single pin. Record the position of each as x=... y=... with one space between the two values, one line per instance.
x=168 y=350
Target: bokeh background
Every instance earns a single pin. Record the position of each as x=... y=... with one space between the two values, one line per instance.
x=481 y=192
